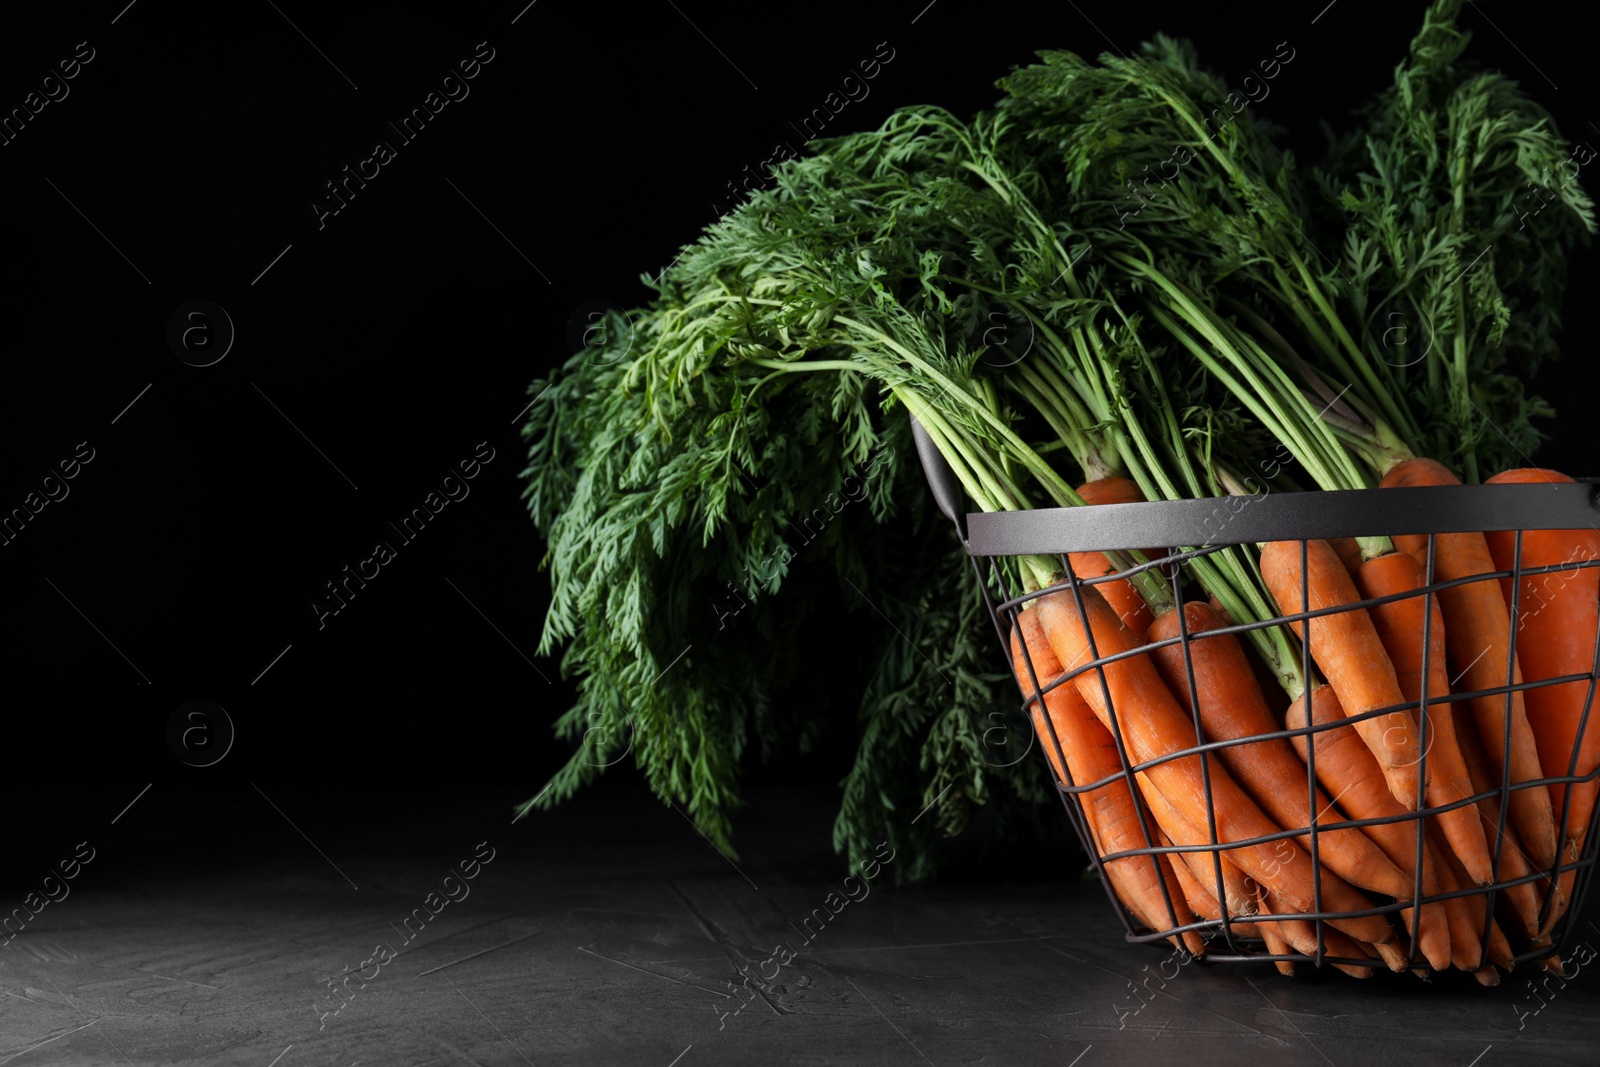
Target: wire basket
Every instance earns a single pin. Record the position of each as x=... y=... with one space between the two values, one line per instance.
x=1058 y=532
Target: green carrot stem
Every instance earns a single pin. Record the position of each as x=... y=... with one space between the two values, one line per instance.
x=1052 y=482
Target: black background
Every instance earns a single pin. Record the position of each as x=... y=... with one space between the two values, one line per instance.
x=406 y=331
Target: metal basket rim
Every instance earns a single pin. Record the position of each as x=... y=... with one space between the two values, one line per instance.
x=1216 y=522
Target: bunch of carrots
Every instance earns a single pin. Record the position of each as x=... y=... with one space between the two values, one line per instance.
x=1067 y=333
x=1114 y=686
x=1339 y=747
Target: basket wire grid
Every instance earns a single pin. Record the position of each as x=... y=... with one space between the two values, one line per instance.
x=1059 y=532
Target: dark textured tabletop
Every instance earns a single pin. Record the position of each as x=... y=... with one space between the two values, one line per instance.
x=610 y=931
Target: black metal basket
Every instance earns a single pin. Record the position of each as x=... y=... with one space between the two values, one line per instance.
x=1058 y=532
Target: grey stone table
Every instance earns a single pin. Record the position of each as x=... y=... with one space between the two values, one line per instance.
x=611 y=932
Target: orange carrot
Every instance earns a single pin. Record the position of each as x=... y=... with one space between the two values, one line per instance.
x=1479 y=645
x=1153 y=726
x=1203 y=901
x=1302 y=935
x=1466 y=933
x=1551 y=962
x=1514 y=860
x=1121 y=594
x=1498 y=949
x=1238 y=892
x=1400 y=625
x=1558 y=616
x=1346 y=647
x=1271 y=688
x=1273 y=936
x=1114 y=820
x=1189 y=941
x=1349 y=550
x=1346 y=766
x=1231 y=707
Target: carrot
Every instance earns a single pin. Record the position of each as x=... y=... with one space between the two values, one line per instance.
x=1400 y=625
x=1466 y=940
x=1203 y=901
x=1152 y=726
x=1466 y=925
x=1564 y=888
x=1479 y=645
x=1276 y=946
x=1346 y=647
x=1302 y=934
x=1349 y=550
x=1121 y=593
x=1114 y=820
x=1558 y=617
x=1274 y=938
x=1514 y=861
x=1189 y=941
x=1551 y=962
x=1238 y=892
x=1231 y=707
x=1271 y=688
x=1500 y=953
x=1346 y=765
x=1498 y=949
